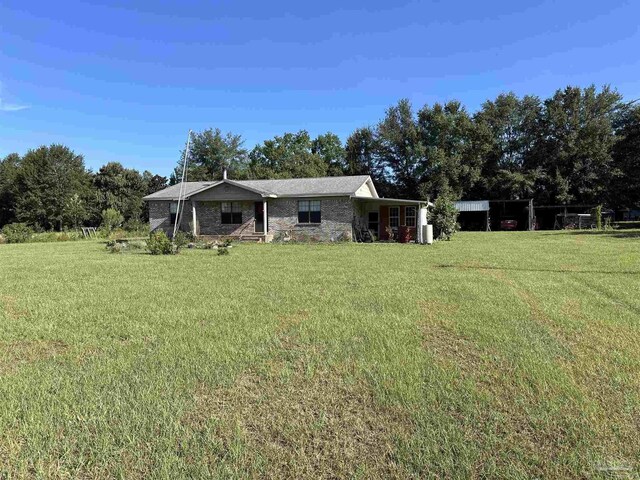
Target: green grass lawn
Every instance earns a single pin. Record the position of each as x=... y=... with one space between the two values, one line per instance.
x=494 y=355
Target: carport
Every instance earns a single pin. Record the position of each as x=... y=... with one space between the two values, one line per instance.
x=473 y=215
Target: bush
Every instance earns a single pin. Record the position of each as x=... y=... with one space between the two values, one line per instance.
x=114 y=246
x=136 y=227
x=136 y=245
x=17 y=232
x=596 y=213
x=111 y=218
x=44 y=237
x=159 y=244
x=117 y=234
x=445 y=218
x=180 y=240
x=223 y=250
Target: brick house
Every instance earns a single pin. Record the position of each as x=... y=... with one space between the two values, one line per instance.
x=323 y=209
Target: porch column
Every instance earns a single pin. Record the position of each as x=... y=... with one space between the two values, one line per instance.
x=194 y=226
x=264 y=216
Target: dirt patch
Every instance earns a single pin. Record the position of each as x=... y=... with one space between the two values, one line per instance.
x=16 y=354
x=302 y=426
x=509 y=420
x=296 y=416
x=288 y=322
x=11 y=309
x=572 y=308
x=604 y=365
x=603 y=361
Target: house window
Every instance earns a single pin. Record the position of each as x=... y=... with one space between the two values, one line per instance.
x=309 y=211
x=394 y=217
x=410 y=216
x=173 y=212
x=231 y=213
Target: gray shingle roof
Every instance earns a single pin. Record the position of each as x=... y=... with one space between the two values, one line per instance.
x=291 y=187
x=309 y=186
x=172 y=192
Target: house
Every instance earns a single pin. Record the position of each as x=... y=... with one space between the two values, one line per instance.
x=323 y=209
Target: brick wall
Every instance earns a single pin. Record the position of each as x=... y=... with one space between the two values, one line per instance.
x=159 y=216
x=336 y=214
x=209 y=218
x=337 y=217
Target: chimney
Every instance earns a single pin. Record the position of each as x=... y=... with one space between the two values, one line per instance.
x=224 y=174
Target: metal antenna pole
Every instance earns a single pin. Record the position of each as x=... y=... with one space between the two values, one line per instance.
x=180 y=207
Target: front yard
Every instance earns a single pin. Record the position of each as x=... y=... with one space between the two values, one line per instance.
x=496 y=354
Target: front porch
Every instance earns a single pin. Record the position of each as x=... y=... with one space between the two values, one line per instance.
x=388 y=219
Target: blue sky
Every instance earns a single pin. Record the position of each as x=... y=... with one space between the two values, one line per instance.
x=124 y=80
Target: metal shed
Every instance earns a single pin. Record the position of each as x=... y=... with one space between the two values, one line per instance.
x=473 y=214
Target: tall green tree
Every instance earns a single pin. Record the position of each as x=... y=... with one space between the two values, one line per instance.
x=75 y=211
x=210 y=153
x=362 y=158
x=288 y=156
x=624 y=191
x=47 y=179
x=401 y=150
x=578 y=139
x=507 y=136
x=9 y=166
x=121 y=189
x=331 y=150
x=451 y=164
x=154 y=183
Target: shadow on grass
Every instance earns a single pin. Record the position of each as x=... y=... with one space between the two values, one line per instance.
x=540 y=270
x=604 y=233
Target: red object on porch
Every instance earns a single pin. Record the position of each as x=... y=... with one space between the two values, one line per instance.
x=404 y=235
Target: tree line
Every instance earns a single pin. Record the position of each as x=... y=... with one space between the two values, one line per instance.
x=579 y=146
x=50 y=188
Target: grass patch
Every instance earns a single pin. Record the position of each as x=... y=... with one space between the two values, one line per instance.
x=495 y=355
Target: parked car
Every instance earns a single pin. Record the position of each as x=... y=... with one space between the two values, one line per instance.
x=508 y=224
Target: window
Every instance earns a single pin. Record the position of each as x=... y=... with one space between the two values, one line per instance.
x=394 y=217
x=309 y=211
x=410 y=216
x=173 y=212
x=231 y=213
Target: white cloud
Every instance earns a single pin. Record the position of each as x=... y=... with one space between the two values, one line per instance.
x=11 y=107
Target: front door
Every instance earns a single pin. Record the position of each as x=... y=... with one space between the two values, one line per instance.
x=373 y=223
x=259 y=217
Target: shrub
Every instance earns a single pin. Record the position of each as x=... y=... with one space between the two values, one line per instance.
x=17 y=232
x=445 y=218
x=136 y=245
x=223 y=250
x=114 y=246
x=136 y=227
x=180 y=240
x=597 y=213
x=111 y=218
x=159 y=244
x=44 y=237
x=117 y=234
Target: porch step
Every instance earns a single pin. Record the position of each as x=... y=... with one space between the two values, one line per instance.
x=250 y=237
